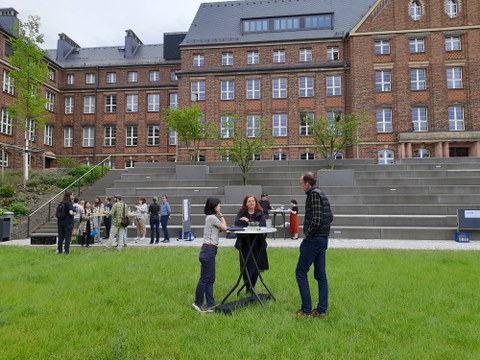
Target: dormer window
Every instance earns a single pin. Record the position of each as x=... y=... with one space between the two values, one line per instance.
x=415 y=10
x=451 y=8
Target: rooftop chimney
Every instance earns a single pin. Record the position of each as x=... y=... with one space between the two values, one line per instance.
x=9 y=19
x=132 y=43
x=65 y=46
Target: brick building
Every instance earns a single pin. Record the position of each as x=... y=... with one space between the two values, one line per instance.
x=411 y=65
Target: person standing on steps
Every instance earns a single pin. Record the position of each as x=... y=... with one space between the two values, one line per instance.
x=65 y=223
x=154 y=211
x=316 y=228
x=164 y=217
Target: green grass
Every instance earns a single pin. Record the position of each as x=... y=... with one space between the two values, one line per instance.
x=136 y=304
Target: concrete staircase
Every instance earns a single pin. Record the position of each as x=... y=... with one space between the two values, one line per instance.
x=415 y=199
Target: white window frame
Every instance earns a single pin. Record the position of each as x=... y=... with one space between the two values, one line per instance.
x=131 y=103
x=154 y=75
x=172 y=137
x=88 y=136
x=383 y=81
x=386 y=157
x=306 y=86
x=451 y=8
x=70 y=79
x=153 y=135
x=333 y=85
x=453 y=43
x=8 y=83
x=48 y=135
x=131 y=135
x=253 y=122
x=6 y=122
x=90 y=78
x=69 y=104
x=227 y=58
x=110 y=103
x=198 y=60
x=382 y=47
x=129 y=164
x=89 y=104
x=384 y=120
x=279 y=156
x=454 y=77
x=110 y=135
x=111 y=78
x=153 y=102
x=306 y=122
x=173 y=75
x=253 y=87
x=415 y=10
x=419 y=118
x=333 y=53
x=4 y=161
x=279 y=125
x=51 y=74
x=226 y=127
x=253 y=57
x=68 y=136
x=50 y=104
x=30 y=130
x=198 y=90
x=227 y=89
x=456 y=118
x=417 y=45
x=173 y=100
x=279 y=88
x=305 y=55
x=418 y=79
x=132 y=76
x=307 y=156
x=278 y=56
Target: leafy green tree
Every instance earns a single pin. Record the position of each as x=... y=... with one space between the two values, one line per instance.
x=29 y=73
x=241 y=147
x=330 y=136
x=190 y=126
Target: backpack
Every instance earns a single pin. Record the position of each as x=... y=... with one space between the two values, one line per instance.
x=61 y=212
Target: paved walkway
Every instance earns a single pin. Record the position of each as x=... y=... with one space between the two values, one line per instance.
x=333 y=244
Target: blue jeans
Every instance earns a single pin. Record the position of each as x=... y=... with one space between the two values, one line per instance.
x=207 y=276
x=154 y=230
x=164 y=222
x=312 y=251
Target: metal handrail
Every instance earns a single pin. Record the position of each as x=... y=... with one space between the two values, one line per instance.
x=49 y=202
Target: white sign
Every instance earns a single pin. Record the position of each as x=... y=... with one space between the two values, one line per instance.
x=472 y=214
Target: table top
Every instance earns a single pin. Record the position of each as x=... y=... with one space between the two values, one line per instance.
x=258 y=230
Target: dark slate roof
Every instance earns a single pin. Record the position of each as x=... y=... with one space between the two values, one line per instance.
x=220 y=22
x=110 y=56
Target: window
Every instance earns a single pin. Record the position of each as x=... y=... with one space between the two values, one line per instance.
x=333 y=53
x=110 y=103
x=454 y=78
x=421 y=153
x=173 y=75
x=305 y=55
x=384 y=120
x=70 y=79
x=227 y=58
x=198 y=90
x=279 y=56
x=253 y=88
x=198 y=60
x=8 y=83
x=110 y=136
x=253 y=125
x=417 y=45
x=279 y=88
x=132 y=103
x=31 y=128
x=49 y=105
x=111 y=78
x=453 y=43
x=226 y=127
x=88 y=136
x=306 y=122
x=227 y=90
x=90 y=78
x=173 y=100
x=334 y=85
x=129 y=164
x=253 y=58
x=419 y=118
x=451 y=8
x=455 y=118
x=154 y=75
x=68 y=136
x=383 y=81
x=415 y=10
x=386 y=157
x=89 y=104
x=131 y=133
x=334 y=116
x=69 y=104
x=132 y=76
x=153 y=135
x=279 y=156
x=4 y=160
x=172 y=137
x=291 y=23
x=153 y=102
x=51 y=74
x=418 y=79
x=48 y=135
x=279 y=125
x=305 y=86
x=6 y=122
x=307 y=156
x=382 y=47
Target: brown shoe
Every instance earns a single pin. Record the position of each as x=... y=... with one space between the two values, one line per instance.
x=317 y=314
x=301 y=313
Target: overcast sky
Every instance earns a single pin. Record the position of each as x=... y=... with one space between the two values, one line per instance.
x=96 y=23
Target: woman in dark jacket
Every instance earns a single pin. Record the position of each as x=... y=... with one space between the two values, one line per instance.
x=251 y=211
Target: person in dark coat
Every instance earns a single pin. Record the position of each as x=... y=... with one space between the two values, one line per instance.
x=251 y=211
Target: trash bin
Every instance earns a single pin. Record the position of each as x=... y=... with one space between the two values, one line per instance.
x=10 y=215
x=5 y=229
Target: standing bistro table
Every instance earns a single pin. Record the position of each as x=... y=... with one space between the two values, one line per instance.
x=253 y=232
x=280 y=212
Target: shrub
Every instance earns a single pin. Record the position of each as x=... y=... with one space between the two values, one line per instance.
x=67 y=162
x=7 y=191
x=19 y=208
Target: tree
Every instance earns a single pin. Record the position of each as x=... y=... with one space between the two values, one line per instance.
x=330 y=136
x=190 y=126
x=242 y=145
x=29 y=73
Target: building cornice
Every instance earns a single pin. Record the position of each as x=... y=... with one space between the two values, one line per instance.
x=415 y=31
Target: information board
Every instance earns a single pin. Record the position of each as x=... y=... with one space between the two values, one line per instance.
x=468 y=219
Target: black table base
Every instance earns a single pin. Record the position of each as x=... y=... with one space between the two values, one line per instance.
x=228 y=308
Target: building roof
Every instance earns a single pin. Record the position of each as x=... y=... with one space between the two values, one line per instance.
x=220 y=22
x=111 y=56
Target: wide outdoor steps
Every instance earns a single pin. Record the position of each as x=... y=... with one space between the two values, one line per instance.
x=415 y=199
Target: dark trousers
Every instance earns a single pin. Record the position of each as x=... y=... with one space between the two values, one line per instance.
x=107 y=221
x=154 y=230
x=86 y=239
x=64 y=234
x=207 y=276
x=313 y=251
x=164 y=222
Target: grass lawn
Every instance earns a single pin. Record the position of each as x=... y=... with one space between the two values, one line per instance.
x=136 y=304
